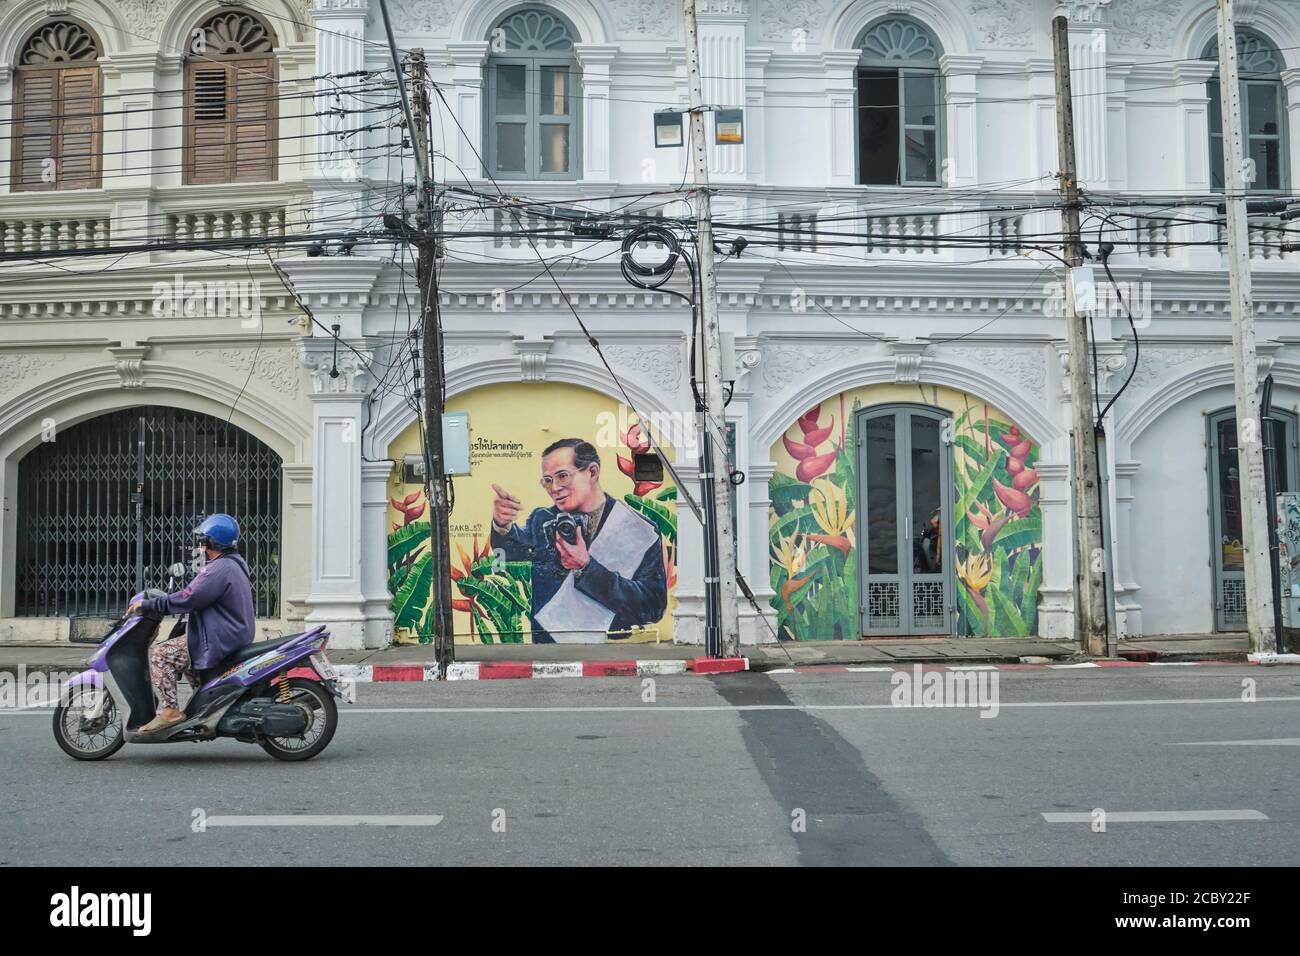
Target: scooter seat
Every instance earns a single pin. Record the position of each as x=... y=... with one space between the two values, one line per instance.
x=256 y=649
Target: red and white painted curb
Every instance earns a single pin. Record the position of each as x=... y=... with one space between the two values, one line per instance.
x=907 y=668
x=515 y=670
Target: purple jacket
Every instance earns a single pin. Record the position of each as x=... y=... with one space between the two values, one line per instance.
x=219 y=602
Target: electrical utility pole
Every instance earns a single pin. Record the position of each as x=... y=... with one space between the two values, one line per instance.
x=415 y=108
x=1250 y=431
x=1090 y=553
x=719 y=540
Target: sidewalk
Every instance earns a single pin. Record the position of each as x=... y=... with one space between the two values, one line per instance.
x=762 y=657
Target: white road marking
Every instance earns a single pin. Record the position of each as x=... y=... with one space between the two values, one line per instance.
x=725 y=708
x=1160 y=816
x=722 y=708
x=321 y=820
x=1275 y=742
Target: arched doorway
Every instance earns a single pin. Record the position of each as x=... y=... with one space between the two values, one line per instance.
x=105 y=506
x=905 y=510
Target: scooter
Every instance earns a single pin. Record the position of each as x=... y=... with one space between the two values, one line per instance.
x=278 y=694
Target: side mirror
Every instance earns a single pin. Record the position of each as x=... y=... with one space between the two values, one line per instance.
x=177 y=570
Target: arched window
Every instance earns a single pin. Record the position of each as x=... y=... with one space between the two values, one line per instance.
x=1263 y=112
x=900 y=105
x=230 y=106
x=56 y=143
x=532 y=98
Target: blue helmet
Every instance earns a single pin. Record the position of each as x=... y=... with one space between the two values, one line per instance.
x=221 y=530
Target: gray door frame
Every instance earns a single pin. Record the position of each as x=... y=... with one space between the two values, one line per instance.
x=898 y=590
x=1229 y=582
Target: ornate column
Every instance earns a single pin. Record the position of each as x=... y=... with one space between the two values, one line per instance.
x=961 y=129
x=1291 y=81
x=1088 y=41
x=340 y=50
x=1193 y=171
x=595 y=60
x=467 y=59
x=839 y=72
x=347 y=497
x=722 y=68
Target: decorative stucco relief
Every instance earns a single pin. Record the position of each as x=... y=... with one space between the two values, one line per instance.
x=1026 y=367
x=1140 y=25
x=778 y=21
x=660 y=364
x=16 y=368
x=275 y=367
x=647 y=18
x=422 y=16
x=783 y=364
x=1156 y=364
x=1003 y=23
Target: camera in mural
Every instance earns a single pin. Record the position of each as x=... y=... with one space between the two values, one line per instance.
x=549 y=545
x=563 y=526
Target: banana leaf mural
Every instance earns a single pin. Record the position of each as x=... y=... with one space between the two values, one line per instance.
x=998 y=530
x=496 y=594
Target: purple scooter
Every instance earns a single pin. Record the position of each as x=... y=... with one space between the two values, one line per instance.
x=278 y=694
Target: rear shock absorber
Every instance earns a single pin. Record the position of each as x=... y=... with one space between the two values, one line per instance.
x=285 y=696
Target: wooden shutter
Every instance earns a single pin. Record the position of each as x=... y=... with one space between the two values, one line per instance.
x=253 y=124
x=208 y=109
x=35 y=138
x=79 y=153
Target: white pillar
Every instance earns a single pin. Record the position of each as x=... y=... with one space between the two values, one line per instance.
x=722 y=68
x=595 y=60
x=753 y=628
x=1291 y=81
x=839 y=72
x=1088 y=83
x=343 y=593
x=466 y=140
x=340 y=49
x=961 y=126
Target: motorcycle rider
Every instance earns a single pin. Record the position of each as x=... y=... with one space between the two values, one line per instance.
x=219 y=602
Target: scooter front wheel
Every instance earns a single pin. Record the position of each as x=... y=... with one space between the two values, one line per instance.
x=88 y=737
x=319 y=732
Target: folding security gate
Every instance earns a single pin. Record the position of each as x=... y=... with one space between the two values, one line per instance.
x=106 y=506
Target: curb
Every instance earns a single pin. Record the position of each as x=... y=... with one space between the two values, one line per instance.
x=524 y=670
x=908 y=668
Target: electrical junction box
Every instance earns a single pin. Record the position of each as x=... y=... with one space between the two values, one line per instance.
x=455 y=450
x=455 y=443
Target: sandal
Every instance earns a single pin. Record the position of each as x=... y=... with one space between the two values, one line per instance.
x=158 y=723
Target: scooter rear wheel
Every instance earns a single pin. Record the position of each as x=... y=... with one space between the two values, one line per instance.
x=88 y=741
x=325 y=719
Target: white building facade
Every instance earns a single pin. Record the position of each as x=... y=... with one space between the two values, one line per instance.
x=900 y=406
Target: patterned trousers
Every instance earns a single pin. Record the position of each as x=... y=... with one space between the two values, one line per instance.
x=168 y=660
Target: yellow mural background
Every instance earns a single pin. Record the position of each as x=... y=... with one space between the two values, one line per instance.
x=534 y=416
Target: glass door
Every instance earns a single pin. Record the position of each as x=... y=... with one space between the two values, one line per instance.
x=905 y=491
x=1225 y=506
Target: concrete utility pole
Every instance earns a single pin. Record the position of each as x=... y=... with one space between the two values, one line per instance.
x=433 y=385
x=1250 y=431
x=435 y=479
x=716 y=477
x=1090 y=553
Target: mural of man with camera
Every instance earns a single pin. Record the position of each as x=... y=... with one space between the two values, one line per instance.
x=597 y=566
